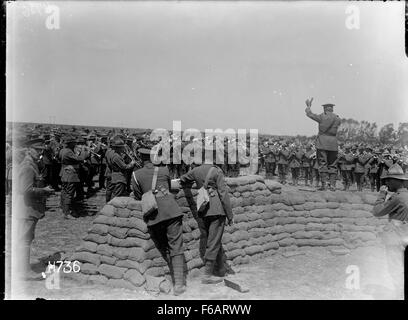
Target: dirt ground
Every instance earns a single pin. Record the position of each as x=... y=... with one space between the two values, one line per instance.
x=313 y=273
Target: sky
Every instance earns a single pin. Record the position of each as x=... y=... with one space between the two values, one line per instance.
x=210 y=65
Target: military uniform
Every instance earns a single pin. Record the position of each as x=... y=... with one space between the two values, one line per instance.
x=282 y=162
x=374 y=164
x=31 y=202
x=212 y=221
x=395 y=234
x=270 y=163
x=70 y=166
x=360 y=161
x=165 y=225
x=326 y=143
x=295 y=159
x=307 y=166
x=118 y=171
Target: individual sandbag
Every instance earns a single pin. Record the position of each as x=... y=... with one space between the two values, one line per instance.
x=111 y=271
x=92 y=258
x=108 y=259
x=152 y=253
x=274 y=245
x=119 y=222
x=282 y=235
x=290 y=228
x=240 y=235
x=286 y=242
x=136 y=214
x=119 y=202
x=273 y=185
x=108 y=210
x=117 y=232
x=102 y=219
x=98 y=279
x=369 y=199
x=139 y=266
x=253 y=250
x=89 y=268
x=122 y=253
x=136 y=254
x=122 y=213
x=155 y=285
x=134 y=277
x=138 y=234
x=235 y=253
x=87 y=246
x=238 y=210
x=155 y=271
x=105 y=249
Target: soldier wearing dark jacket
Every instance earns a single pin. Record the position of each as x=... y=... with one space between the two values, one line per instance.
x=118 y=169
x=31 y=200
x=395 y=234
x=165 y=224
x=212 y=220
x=326 y=142
x=70 y=166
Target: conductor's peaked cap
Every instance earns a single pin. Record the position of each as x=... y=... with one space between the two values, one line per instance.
x=328 y=105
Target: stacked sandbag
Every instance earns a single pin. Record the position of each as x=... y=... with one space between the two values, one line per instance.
x=117 y=250
x=249 y=238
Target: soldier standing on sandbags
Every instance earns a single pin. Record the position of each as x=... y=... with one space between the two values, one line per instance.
x=117 y=186
x=211 y=221
x=31 y=199
x=326 y=142
x=165 y=225
x=395 y=235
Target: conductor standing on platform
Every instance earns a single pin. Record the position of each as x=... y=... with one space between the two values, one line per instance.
x=326 y=142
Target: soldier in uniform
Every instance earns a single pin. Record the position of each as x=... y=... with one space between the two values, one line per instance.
x=165 y=225
x=295 y=158
x=31 y=201
x=359 y=171
x=385 y=163
x=212 y=220
x=395 y=235
x=326 y=142
x=283 y=155
x=71 y=183
x=307 y=165
x=118 y=169
x=373 y=164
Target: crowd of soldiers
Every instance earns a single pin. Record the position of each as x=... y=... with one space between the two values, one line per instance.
x=361 y=165
x=77 y=157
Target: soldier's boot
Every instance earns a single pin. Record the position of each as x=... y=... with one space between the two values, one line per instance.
x=333 y=182
x=209 y=278
x=178 y=271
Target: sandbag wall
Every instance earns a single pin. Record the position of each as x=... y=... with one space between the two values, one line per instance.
x=118 y=250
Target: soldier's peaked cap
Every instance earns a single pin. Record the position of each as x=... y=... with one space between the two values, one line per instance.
x=328 y=105
x=69 y=139
x=117 y=142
